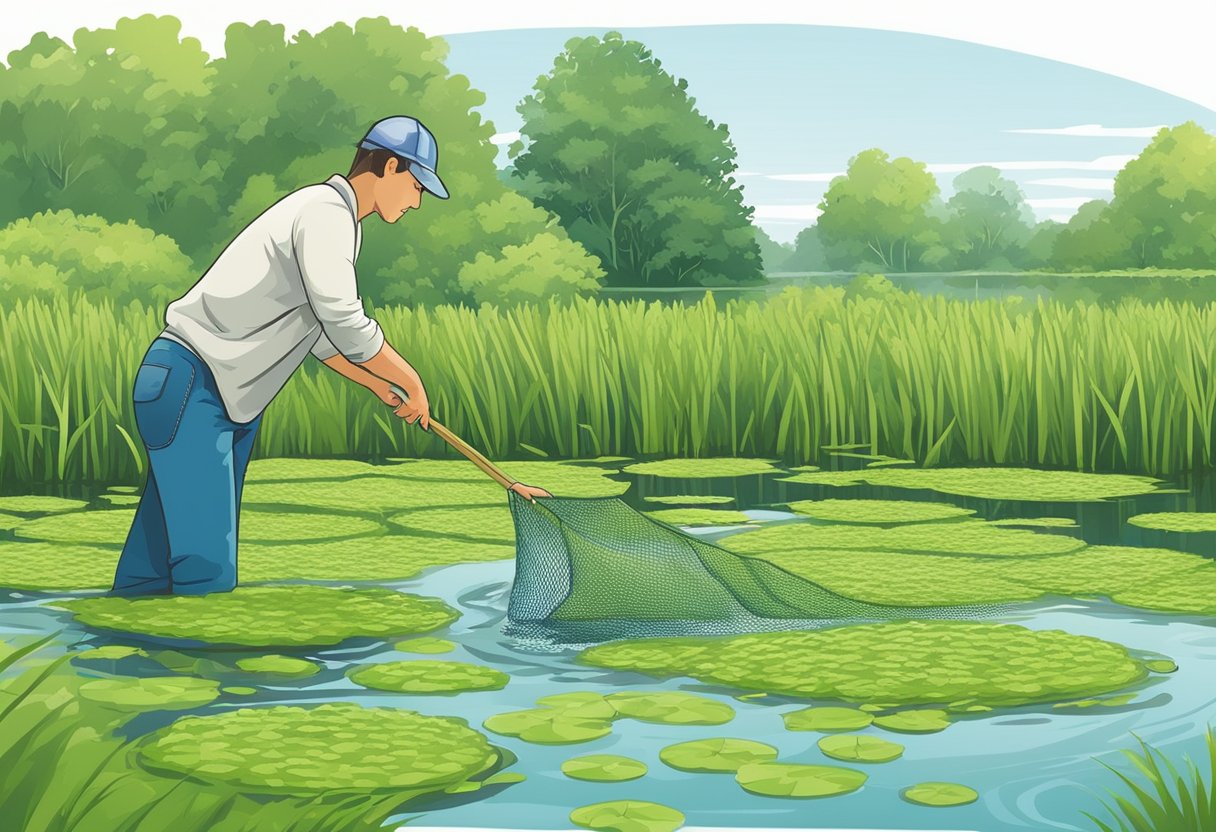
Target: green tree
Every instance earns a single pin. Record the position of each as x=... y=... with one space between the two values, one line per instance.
x=636 y=174
x=1089 y=241
x=991 y=221
x=882 y=212
x=809 y=254
x=773 y=254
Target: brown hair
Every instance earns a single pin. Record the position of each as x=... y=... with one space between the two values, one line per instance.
x=374 y=160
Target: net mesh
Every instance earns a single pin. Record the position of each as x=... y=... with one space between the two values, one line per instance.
x=596 y=569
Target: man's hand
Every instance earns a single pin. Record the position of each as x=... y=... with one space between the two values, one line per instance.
x=416 y=407
x=528 y=491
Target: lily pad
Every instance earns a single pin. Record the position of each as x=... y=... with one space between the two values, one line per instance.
x=108 y=652
x=690 y=500
x=584 y=704
x=1176 y=521
x=268 y=616
x=124 y=489
x=603 y=768
x=38 y=504
x=797 y=780
x=382 y=494
x=492 y=524
x=425 y=644
x=671 y=708
x=10 y=521
x=428 y=676
x=339 y=746
x=827 y=719
x=939 y=794
x=50 y=566
x=239 y=690
x=121 y=499
x=927 y=721
x=548 y=726
x=1161 y=665
x=716 y=754
x=151 y=692
x=628 y=816
x=860 y=748
x=699 y=517
x=702 y=468
x=279 y=666
x=877 y=511
x=287 y=468
x=1029 y=484
x=1044 y=522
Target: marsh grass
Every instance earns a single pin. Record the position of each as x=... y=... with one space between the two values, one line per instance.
x=65 y=770
x=1129 y=388
x=1162 y=798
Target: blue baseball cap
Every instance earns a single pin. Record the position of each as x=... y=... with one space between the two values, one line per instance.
x=408 y=138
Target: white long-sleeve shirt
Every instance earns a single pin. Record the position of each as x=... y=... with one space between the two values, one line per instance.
x=285 y=286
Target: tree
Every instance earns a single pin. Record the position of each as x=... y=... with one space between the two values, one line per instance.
x=773 y=254
x=616 y=149
x=880 y=212
x=809 y=254
x=990 y=217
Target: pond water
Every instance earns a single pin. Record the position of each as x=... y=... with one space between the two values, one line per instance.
x=1035 y=767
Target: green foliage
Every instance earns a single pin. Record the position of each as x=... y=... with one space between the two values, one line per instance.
x=635 y=173
x=1163 y=798
x=990 y=219
x=428 y=676
x=773 y=255
x=59 y=252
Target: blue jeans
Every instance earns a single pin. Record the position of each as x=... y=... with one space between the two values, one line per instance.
x=184 y=536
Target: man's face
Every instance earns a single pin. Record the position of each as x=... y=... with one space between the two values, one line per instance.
x=396 y=192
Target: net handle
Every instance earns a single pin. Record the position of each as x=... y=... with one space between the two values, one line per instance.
x=459 y=444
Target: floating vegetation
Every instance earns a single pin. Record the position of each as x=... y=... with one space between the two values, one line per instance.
x=628 y=816
x=386 y=558
x=877 y=511
x=338 y=746
x=603 y=768
x=151 y=692
x=428 y=676
x=671 y=707
x=277 y=665
x=716 y=754
x=425 y=644
x=1030 y=484
x=10 y=521
x=690 y=500
x=797 y=780
x=1044 y=522
x=267 y=616
x=108 y=652
x=286 y=468
x=380 y=494
x=121 y=499
x=726 y=466
x=1161 y=665
x=31 y=565
x=939 y=794
x=820 y=718
x=1176 y=521
x=492 y=524
x=548 y=726
x=699 y=517
x=860 y=748
x=37 y=504
x=905 y=662
x=110 y=526
x=928 y=721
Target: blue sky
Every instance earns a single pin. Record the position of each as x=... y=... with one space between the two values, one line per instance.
x=801 y=100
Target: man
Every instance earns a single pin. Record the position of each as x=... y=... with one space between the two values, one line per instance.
x=284 y=287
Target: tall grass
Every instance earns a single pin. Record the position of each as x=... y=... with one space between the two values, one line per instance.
x=65 y=770
x=1128 y=388
x=1162 y=798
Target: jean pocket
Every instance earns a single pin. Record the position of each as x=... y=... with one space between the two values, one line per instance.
x=160 y=393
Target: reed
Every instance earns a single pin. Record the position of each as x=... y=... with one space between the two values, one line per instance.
x=1128 y=388
x=1163 y=799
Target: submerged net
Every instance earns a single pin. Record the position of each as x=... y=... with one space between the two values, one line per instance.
x=595 y=568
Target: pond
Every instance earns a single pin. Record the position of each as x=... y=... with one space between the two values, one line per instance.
x=1034 y=766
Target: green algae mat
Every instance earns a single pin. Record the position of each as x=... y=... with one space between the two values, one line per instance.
x=332 y=747
x=267 y=616
x=910 y=662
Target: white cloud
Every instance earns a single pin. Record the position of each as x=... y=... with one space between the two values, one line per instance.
x=786 y=212
x=1072 y=202
x=804 y=177
x=1101 y=163
x=1093 y=130
x=504 y=138
x=1084 y=183
x=1064 y=218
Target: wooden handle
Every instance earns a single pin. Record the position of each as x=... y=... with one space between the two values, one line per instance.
x=459 y=444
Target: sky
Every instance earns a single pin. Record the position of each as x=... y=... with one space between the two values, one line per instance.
x=801 y=99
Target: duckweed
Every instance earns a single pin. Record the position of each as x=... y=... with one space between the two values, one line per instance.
x=797 y=780
x=10 y=521
x=877 y=511
x=1028 y=484
x=428 y=676
x=489 y=524
x=1176 y=521
x=377 y=494
x=287 y=468
x=699 y=516
x=860 y=748
x=702 y=468
x=425 y=644
x=628 y=816
x=690 y=500
x=385 y=558
x=338 y=746
x=603 y=768
x=939 y=794
x=268 y=616
x=38 y=504
x=277 y=665
x=904 y=662
x=31 y=565
x=151 y=692
x=716 y=754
